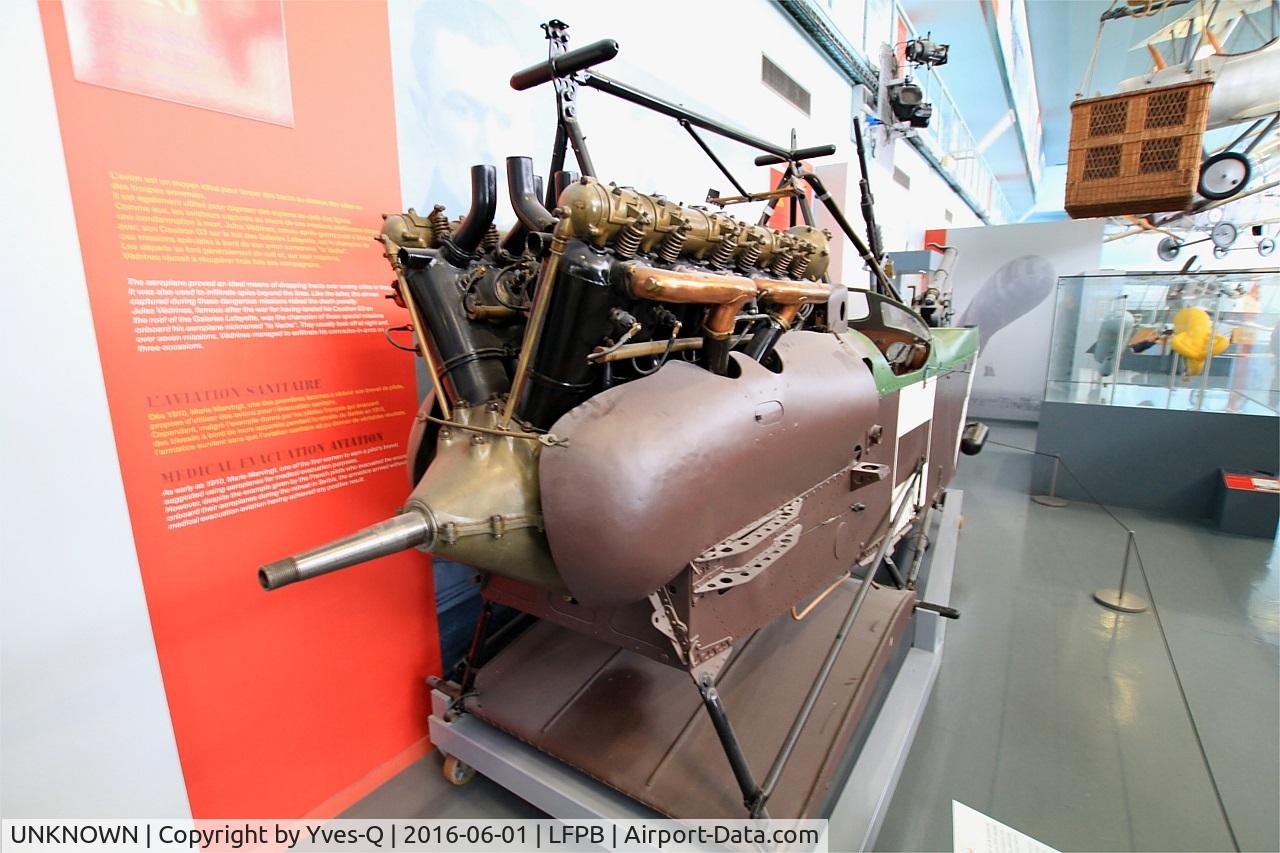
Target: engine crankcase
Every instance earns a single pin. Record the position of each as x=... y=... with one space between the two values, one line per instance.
x=481 y=494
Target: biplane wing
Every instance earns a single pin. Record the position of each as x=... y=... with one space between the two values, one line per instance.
x=1227 y=13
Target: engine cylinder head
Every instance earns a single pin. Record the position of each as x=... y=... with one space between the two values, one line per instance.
x=673 y=244
x=724 y=252
x=628 y=242
x=752 y=246
x=800 y=263
x=490 y=239
x=782 y=260
x=439 y=220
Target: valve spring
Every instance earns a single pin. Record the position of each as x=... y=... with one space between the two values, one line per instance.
x=750 y=254
x=628 y=242
x=724 y=252
x=781 y=261
x=673 y=244
x=490 y=240
x=440 y=227
x=800 y=265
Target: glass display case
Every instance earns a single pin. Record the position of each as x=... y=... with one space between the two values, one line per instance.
x=1202 y=341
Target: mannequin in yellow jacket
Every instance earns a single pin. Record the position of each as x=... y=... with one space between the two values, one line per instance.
x=1192 y=333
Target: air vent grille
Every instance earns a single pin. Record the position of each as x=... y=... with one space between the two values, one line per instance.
x=782 y=83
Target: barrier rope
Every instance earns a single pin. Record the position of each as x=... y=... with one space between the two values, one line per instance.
x=1164 y=637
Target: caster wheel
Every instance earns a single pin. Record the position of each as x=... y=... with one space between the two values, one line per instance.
x=1223 y=175
x=456 y=772
x=1266 y=246
x=1168 y=249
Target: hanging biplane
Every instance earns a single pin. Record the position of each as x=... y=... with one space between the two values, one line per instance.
x=1149 y=152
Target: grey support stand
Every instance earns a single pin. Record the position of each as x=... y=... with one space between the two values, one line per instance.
x=1052 y=498
x=859 y=807
x=1119 y=599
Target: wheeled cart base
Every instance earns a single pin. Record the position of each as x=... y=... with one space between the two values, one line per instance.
x=583 y=731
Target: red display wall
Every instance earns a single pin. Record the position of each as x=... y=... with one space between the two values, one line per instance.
x=229 y=163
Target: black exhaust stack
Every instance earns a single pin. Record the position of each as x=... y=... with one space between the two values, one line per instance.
x=459 y=249
x=525 y=192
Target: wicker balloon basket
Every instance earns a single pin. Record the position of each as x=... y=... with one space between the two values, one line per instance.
x=1138 y=152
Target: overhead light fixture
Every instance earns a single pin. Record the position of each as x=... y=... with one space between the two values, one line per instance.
x=908 y=104
x=925 y=51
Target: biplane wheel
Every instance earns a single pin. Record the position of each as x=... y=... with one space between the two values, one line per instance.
x=1223 y=175
x=457 y=772
x=1223 y=235
x=1168 y=249
x=1266 y=246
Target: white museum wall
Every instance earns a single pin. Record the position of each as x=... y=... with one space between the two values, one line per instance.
x=84 y=725
x=465 y=112
x=1004 y=282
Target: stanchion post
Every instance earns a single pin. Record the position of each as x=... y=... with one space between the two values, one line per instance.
x=1118 y=599
x=1052 y=498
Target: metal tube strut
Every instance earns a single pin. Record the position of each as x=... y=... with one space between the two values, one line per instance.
x=628 y=93
x=820 y=190
x=471 y=663
x=828 y=663
x=751 y=792
x=706 y=149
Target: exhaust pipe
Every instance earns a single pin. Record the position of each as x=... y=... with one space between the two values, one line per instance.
x=524 y=187
x=524 y=195
x=400 y=533
x=561 y=180
x=787 y=297
x=725 y=293
x=460 y=247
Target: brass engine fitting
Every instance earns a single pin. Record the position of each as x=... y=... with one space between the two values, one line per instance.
x=820 y=256
x=673 y=243
x=406 y=230
x=629 y=238
x=439 y=222
x=598 y=213
x=800 y=265
x=401 y=230
x=724 y=252
x=538 y=312
x=480 y=495
x=490 y=240
x=752 y=247
x=601 y=215
x=782 y=257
